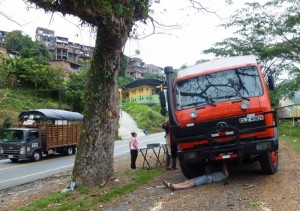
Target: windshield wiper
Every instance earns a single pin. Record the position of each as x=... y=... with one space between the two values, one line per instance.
x=244 y=98
x=237 y=96
x=202 y=103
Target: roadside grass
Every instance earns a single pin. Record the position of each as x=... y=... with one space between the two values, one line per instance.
x=89 y=199
x=290 y=133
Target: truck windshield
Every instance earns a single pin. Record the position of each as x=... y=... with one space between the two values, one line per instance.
x=240 y=83
x=13 y=136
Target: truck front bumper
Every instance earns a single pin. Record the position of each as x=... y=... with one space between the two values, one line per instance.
x=211 y=153
x=14 y=156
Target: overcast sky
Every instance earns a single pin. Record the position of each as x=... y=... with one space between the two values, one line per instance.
x=198 y=31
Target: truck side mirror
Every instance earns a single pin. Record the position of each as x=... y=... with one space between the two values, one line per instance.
x=271 y=83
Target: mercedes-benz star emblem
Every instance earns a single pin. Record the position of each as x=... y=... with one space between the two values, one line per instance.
x=222 y=127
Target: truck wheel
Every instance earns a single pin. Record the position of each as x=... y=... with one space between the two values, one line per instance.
x=69 y=151
x=269 y=162
x=74 y=150
x=192 y=170
x=14 y=160
x=37 y=155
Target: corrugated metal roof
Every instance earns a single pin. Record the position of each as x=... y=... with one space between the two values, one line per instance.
x=51 y=114
x=141 y=82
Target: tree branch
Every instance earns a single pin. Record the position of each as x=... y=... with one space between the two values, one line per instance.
x=10 y=19
x=198 y=6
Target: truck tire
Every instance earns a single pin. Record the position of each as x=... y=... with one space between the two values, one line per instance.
x=192 y=170
x=69 y=151
x=269 y=162
x=74 y=150
x=36 y=156
x=14 y=160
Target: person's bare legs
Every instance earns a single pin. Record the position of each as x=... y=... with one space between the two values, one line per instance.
x=181 y=185
x=184 y=185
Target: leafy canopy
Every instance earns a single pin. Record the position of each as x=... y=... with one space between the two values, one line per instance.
x=270 y=31
x=23 y=44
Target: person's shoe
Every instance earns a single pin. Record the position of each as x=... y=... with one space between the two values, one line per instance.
x=169 y=185
x=166 y=184
x=168 y=168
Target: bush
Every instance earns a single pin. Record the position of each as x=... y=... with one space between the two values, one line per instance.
x=146 y=117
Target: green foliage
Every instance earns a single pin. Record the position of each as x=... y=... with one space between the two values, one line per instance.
x=289 y=133
x=27 y=72
x=124 y=80
x=269 y=31
x=99 y=12
x=85 y=198
x=14 y=101
x=13 y=40
x=150 y=76
x=75 y=88
x=147 y=117
x=27 y=48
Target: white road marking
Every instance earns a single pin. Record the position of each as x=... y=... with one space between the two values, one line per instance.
x=36 y=173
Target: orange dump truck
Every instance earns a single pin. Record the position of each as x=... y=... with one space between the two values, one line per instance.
x=42 y=131
x=221 y=110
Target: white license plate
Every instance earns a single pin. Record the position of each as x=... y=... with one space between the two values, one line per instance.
x=10 y=156
x=252 y=118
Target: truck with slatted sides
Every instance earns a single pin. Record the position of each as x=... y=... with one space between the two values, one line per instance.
x=42 y=132
x=220 y=111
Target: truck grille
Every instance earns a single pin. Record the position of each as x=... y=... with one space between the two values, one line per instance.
x=11 y=151
x=201 y=128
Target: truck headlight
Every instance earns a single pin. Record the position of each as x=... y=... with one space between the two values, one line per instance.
x=22 y=150
x=194 y=114
x=245 y=104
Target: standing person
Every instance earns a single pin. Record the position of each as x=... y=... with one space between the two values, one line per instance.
x=133 y=145
x=170 y=159
x=198 y=181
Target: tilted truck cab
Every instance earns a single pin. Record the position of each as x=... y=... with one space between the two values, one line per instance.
x=42 y=131
x=221 y=110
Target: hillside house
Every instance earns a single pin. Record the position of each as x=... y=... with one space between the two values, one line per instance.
x=144 y=91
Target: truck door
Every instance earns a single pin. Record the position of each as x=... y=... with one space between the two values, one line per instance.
x=33 y=141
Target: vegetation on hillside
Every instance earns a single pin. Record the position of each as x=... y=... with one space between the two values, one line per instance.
x=147 y=117
x=22 y=44
x=13 y=101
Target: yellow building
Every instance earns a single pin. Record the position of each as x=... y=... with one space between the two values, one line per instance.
x=144 y=91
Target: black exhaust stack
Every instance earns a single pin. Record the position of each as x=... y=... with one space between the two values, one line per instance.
x=169 y=73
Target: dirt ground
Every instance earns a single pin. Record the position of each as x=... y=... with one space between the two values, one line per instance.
x=246 y=189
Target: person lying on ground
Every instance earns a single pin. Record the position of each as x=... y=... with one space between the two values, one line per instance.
x=201 y=180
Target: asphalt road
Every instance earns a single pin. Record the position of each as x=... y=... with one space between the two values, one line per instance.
x=13 y=174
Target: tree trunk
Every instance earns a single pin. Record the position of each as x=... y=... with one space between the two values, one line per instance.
x=94 y=159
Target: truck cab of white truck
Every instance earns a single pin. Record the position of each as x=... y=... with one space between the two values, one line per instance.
x=41 y=131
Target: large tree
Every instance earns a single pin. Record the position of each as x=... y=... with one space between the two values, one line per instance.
x=113 y=20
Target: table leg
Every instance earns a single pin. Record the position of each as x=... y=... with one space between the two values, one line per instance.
x=157 y=158
x=145 y=158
